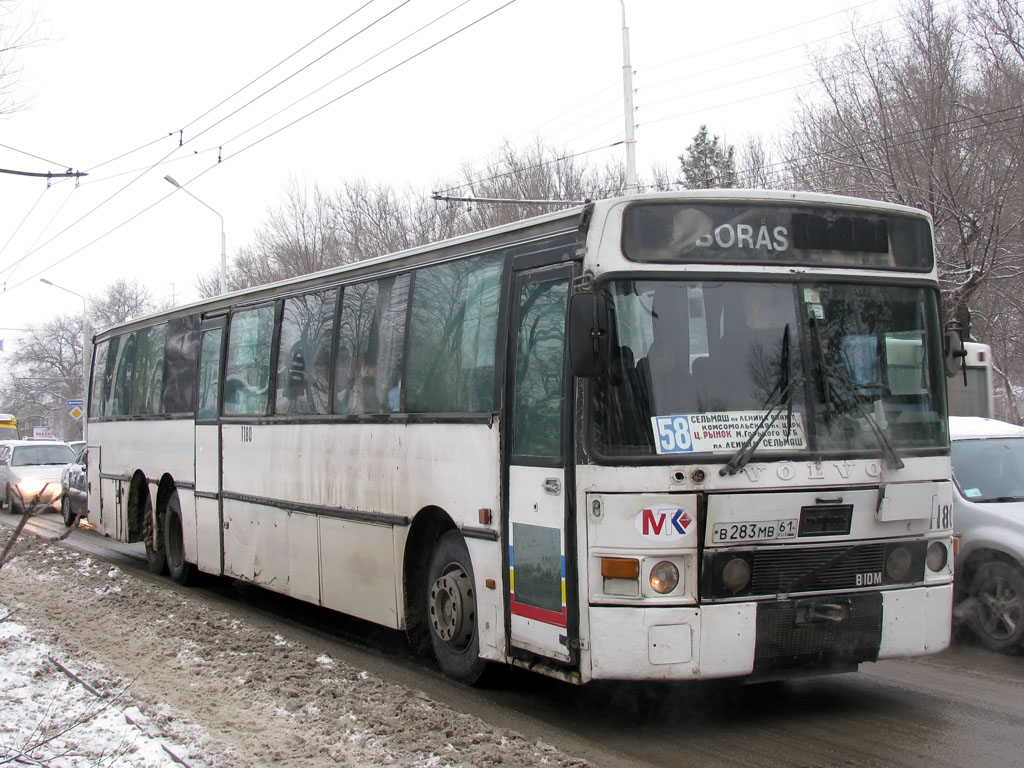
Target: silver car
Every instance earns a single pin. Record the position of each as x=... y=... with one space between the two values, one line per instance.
x=988 y=516
x=30 y=472
x=74 y=500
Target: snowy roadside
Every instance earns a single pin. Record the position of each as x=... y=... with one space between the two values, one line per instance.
x=201 y=686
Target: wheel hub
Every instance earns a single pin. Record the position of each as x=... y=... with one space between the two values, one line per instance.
x=452 y=608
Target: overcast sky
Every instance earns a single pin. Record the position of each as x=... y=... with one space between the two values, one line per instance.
x=114 y=86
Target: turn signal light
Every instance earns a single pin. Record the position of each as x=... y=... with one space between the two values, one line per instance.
x=620 y=568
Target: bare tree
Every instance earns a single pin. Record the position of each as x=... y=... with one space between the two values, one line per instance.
x=16 y=33
x=45 y=372
x=929 y=115
x=119 y=302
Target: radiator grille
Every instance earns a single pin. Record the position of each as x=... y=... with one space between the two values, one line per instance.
x=783 y=644
x=811 y=570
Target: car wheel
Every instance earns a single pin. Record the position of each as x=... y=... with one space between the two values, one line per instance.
x=997 y=618
x=65 y=511
x=451 y=611
x=12 y=503
x=179 y=569
x=156 y=555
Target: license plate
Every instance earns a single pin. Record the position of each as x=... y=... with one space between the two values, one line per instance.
x=760 y=531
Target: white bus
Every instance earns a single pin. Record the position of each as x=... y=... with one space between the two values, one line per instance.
x=659 y=437
x=970 y=390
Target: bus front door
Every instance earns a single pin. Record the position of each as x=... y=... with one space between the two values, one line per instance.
x=541 y=566
x=209 y=531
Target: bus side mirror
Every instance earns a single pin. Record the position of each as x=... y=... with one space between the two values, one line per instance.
x=589 y=334
x=954 y=352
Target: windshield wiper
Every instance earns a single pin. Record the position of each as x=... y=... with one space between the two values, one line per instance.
x=784 y=389
x=846 y=395
x=998 y=499
x=836 y=386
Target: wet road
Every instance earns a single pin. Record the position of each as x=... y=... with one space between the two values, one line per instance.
x=963 y=707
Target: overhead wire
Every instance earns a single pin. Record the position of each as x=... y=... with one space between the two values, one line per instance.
x=251 y=145
x=137 y=178
x=348 y=71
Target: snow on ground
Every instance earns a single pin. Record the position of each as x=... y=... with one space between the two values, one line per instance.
x=200 y=685
x=50 y=718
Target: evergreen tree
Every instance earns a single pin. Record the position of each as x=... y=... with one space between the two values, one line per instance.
x=708 y=162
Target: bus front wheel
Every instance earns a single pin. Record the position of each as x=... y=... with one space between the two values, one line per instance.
x=451 y=611
x=178 y=567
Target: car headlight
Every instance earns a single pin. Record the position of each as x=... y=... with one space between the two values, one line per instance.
x=30 y=486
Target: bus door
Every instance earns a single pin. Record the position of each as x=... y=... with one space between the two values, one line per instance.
x=209 y=511
x=541 y=565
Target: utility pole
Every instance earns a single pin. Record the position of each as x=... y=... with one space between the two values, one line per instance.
x=627 y=99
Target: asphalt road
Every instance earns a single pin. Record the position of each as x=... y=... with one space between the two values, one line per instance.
x=963 y=707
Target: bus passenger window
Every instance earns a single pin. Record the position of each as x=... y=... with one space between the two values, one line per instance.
x=247 y=375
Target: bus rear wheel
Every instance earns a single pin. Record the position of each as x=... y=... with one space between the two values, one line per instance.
x=155 y=553
x=179 y=569
x=451 y=611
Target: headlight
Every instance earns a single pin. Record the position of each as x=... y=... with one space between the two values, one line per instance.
x=897 y=563
x=736 y=574
x=664 y=577
x=938 y=556
x=30 y=486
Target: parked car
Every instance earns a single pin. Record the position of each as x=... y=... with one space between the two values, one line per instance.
x=76 y=445
x=988 y=516
x=74 y=499
x=30 y=472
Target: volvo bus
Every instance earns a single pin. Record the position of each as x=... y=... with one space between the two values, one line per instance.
x=658 y=437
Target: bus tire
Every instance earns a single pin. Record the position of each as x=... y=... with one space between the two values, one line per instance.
x=178 y=568
x=997 y=618
x=156 y=555
x=451 y=611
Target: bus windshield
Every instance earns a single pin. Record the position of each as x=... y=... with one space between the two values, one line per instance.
x=829 y=368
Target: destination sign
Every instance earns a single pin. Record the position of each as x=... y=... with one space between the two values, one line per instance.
x=726 y=431
x=775 y=234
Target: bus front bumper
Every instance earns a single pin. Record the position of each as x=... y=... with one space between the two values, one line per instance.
x=767 y=638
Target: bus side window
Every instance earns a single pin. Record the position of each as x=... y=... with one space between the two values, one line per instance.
x=247 y=375
x=148 y=373
x=181 y=351
x=120 y=393
x=453 y=336
x=371 y=346
x=304 y=353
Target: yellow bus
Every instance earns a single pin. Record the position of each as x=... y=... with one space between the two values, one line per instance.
x=8 y=427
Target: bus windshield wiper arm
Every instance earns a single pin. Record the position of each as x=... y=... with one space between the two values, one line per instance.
x=842 y=389
x=784 y=389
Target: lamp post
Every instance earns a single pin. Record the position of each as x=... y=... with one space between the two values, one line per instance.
x=223 y=246
x=85 y=346
x=627 y=97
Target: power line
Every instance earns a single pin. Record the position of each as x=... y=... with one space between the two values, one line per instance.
x=243 y=149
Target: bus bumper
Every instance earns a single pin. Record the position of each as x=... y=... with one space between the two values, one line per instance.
x=718 y=641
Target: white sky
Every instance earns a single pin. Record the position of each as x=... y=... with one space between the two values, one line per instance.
x=111 y=76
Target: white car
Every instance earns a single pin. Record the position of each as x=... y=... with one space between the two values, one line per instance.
x=988 y=516
x=30 y=472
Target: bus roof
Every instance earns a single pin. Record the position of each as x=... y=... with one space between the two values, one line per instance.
x=573 y=218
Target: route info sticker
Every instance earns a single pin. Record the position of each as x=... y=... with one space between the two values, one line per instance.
x=725 y=432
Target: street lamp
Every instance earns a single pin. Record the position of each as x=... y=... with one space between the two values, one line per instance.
x=85 y=347
x=223 y=248
x=627 y=98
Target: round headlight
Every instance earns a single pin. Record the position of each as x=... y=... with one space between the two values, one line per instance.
x=897 y=563
x=664 y=577
x=938 y=556
x=736 y=574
